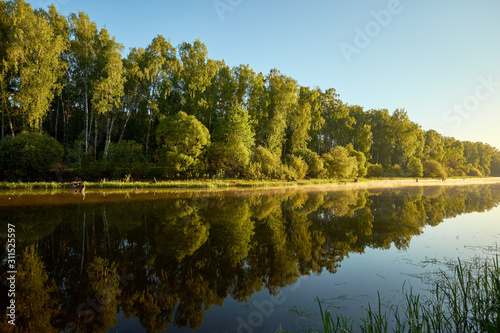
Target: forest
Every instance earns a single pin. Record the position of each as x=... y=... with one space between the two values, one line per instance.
x=73 y=106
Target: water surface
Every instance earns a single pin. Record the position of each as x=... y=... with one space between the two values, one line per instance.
x=232 y=261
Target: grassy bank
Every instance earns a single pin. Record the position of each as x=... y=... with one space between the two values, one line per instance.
x=170 y=184
x=466 y=301
x=212 y=183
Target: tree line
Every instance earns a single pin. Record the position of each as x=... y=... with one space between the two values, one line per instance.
x=73 y=105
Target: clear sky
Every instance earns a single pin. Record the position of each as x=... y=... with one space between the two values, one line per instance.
x=439 y=60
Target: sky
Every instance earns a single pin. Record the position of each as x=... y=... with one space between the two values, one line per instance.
x=438 y=60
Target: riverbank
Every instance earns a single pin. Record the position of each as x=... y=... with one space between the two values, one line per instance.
x=372 y=183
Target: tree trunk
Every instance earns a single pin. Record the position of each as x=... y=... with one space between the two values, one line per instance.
x=124 y=126
x=95 y=138
x=3 y=123
x=57 y=117
x=109 y=130
x=11 y=126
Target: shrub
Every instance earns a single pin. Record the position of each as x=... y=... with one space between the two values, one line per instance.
x=340 y=164
x=375 y=170
x=28 y=156
x=433 y=169
x=265 y=164
x=126 y=158
x=315 y=166
x=233 y=159
x=182 y=139
x=474 y=172
x=299 y=166
x=394 y=171
x=415 y=167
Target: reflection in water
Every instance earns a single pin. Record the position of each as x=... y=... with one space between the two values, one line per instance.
x=168 y=260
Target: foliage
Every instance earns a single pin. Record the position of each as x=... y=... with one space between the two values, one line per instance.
x=28 y=156
x=340 y=164
x=182 y=139
x=315 y=165
x=474 y=172
x=126 y=158
x=298 y=165
x=374 y=170
x=265 y=164
x=415 y=167
x=434 y=169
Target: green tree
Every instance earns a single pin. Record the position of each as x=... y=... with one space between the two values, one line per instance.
x=415 y=167
x=300 y=120
x=108 y=89
x=282 y=92
x=182 y=139
x=340 y=164
x=82 y=59
x=195 y=77
x=159 y=67
x=434 y=146
x=33 y=57
x=233 y=141
x=315 y=165
x=409 y=138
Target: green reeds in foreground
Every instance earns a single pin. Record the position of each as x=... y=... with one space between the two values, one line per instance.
x=466 y=301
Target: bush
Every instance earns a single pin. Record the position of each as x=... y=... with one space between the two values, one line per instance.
x=375 y=170
x=182 y=139
x=415 y=167
x=265 y=164
x=299 y=166
x=233 y=160
x=474 y=172
x=126 y=158
x=28 y=156
x=434 y=169
x=394 y=171
x=340 y=164
x=315 y=166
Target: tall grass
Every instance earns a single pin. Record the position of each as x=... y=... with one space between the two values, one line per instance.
x=468 y=300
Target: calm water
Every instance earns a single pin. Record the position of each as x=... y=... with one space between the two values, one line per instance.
x=231 y=261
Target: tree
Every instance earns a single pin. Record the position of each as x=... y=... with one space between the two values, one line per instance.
x=195 y=77
x=315 y=165
x=282 y=101
x=233 y=140
x=409 y=138
x=160 y=65
x=433 y=169
x=300 y=121
x=82 y=58
x=182 y=139
x=108 y=89
x=340 y=164
x=434 y=146
x=415 y=167
x=33 y=56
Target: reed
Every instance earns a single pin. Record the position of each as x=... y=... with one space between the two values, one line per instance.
x=468 y=300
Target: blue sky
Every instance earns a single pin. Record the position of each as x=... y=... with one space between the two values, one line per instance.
x=439 y=60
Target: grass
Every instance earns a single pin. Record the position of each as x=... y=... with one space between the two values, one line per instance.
x=466 y=301
x=168 y=184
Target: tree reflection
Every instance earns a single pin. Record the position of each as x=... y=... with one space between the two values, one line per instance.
x=188 y=254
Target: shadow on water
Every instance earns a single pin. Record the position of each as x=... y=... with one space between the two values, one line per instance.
x=168 y=257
